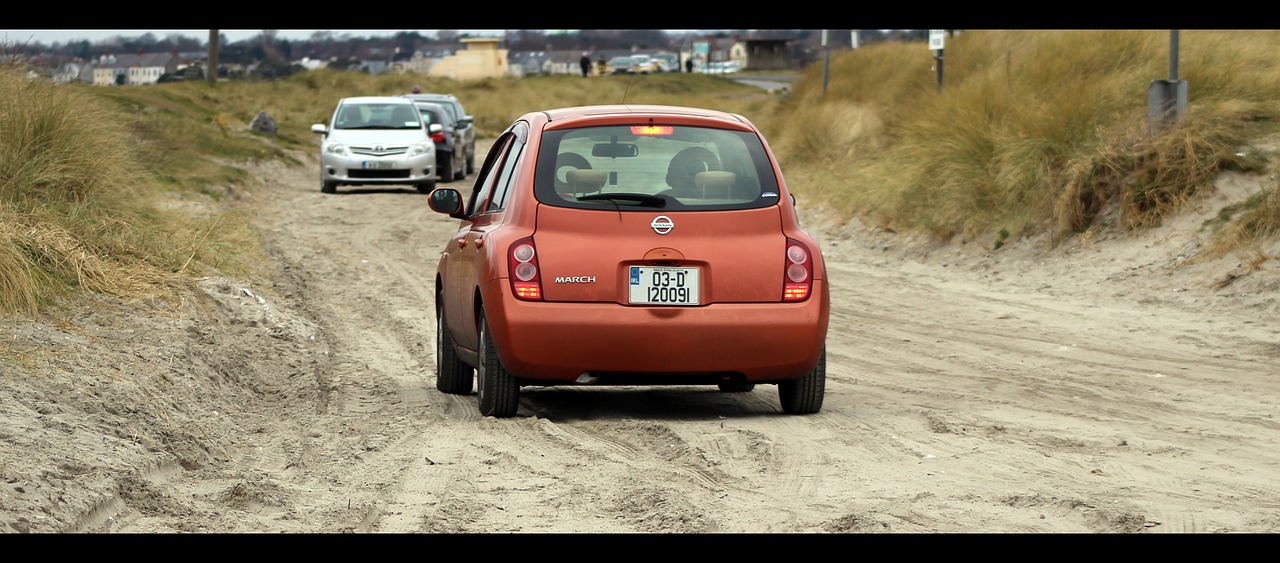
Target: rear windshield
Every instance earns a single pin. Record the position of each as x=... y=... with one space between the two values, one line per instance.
x=377 y=116
x=646 y=167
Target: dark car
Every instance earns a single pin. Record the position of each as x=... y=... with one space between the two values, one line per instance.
x=451 y=158
x=465 y=122
x=629 y=245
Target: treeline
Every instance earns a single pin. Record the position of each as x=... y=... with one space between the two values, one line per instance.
x=327 y=45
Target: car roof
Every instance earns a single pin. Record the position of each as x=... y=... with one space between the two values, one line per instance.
x=375 y=100
x=427 y=97
x=633 y=110
x=431 y=105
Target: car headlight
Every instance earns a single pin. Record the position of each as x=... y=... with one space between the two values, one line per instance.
x=336 y=148
x=422 y=148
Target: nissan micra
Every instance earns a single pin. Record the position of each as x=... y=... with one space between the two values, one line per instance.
x=629 y=245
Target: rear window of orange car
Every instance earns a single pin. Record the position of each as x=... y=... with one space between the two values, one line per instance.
x=681 y=167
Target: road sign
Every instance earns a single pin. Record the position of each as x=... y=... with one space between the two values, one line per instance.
x=936 y=37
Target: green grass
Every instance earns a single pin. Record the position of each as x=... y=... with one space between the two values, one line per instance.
x=1033 y=133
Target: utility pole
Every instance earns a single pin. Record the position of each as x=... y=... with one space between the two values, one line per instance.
x=211 y=69
x=1167 y=99
x=826 y=63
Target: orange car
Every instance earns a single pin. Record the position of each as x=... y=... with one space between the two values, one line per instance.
x=629 y=245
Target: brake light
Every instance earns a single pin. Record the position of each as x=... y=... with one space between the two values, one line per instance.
x=522 y=261
x=437 y=137
x=652 y=130
x=798 y=272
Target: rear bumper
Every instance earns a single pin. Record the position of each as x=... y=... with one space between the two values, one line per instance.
x=749 y=342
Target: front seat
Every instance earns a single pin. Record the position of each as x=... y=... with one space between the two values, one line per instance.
x=685 y=165
x=403 y=115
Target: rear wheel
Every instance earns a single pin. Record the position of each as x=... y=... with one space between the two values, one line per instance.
x=446 y=170
x=471 y=162
x=804 y=395
x=452 y=376
x=460 y=170
x=497 y=391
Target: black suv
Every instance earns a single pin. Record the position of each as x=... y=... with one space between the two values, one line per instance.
x=451 y=162
x=465 y=123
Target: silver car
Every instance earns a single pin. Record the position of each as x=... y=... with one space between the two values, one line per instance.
x=376 y=140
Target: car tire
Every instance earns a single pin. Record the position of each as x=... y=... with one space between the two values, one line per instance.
x=426 y=187
x=471 y=162
x=737 y=387
x=497 y=391
x=446 y=170
x=452 y=376
x=460 y=172
x=804 y=395
x=328 y=187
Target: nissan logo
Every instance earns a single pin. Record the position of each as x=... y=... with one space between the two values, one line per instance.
x=662 y=224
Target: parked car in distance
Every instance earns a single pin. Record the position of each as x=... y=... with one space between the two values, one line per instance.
x=620 y=65
x=451 y=158
x=643 y=64
x=629 y=245
x=464 y=121
x=667 y=62
x=376 y=140
x=720 y=67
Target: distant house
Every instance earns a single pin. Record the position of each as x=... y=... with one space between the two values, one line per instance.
x=143 y=68
x=762 y=53
x=311 y=64
x=73 y=72
x=420 y=61
x=481 y=59
x=754 y=52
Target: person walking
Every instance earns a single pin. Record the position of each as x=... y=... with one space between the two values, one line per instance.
x=585 y=63
x=688 y=64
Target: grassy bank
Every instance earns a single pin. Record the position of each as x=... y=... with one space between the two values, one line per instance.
x=1033 y=133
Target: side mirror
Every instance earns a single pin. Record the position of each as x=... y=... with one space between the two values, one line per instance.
x=319 y=128
x=447 y=201
x=435 y=128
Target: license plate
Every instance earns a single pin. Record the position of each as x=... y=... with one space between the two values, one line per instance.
x=660 y=285
x=378 y=164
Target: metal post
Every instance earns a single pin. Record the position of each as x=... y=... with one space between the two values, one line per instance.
x=1167 y=99
x=826 y=63
x=939 y=59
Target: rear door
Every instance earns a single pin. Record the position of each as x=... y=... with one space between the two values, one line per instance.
x=716 y=256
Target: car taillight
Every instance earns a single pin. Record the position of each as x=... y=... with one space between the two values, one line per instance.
x=523 y=263
x=437 y=137
x=798 y=272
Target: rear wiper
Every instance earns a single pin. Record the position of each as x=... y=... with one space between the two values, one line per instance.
x=647 y=200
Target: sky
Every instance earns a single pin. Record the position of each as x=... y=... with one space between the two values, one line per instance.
x=50 y=36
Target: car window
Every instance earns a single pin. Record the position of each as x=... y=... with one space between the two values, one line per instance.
x=493 y=165
x=378 y=116
x=502 y=188
x=683 y=168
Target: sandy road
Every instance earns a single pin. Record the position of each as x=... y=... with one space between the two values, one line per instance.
x=967 y=392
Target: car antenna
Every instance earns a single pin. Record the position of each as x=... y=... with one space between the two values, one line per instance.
x=625 y=90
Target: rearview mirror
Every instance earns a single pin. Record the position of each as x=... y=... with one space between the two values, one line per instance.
x=613 y=150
